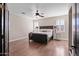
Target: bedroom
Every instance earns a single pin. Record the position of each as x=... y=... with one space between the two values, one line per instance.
x=20 y=28
x=38 y=29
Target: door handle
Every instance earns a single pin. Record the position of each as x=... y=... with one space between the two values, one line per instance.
x=73 y=46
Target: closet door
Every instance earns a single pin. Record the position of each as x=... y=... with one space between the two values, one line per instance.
x=4 y=30
x=77 y=30
x=0 y=29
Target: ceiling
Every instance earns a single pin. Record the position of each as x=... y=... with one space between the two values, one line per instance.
x=46 y=9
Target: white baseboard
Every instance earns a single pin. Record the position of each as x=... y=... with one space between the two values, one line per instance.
x=61 y=38
x=20 y=38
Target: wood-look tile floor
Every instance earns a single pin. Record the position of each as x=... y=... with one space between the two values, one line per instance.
x=53 y=48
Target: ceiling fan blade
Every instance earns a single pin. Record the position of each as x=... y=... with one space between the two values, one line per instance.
x=41 y=16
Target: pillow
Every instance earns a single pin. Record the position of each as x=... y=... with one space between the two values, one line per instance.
x=45 y=30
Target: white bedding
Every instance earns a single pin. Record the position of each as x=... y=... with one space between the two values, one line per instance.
x=49 y=34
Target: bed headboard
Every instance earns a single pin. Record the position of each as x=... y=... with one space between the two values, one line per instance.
x=46 y=27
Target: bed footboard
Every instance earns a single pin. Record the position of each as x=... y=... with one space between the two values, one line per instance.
x=40 y=38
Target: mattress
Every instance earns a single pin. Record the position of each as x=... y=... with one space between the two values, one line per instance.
x=49 y=34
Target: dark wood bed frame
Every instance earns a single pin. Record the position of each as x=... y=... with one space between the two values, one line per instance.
x=40 y=38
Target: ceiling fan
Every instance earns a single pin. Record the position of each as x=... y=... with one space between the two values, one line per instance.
x=38 y=14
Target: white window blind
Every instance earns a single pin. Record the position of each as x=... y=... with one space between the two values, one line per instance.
x=60 y=25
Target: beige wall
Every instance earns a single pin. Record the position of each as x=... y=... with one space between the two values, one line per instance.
x=19 y=27
x=52 y=21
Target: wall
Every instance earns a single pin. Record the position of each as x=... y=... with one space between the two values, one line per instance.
x=19 y=27
x=52 y=21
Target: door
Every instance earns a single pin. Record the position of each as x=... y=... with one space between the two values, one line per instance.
x=0 y=29
x=76 y=40
x=4 y=30
x=70 y=31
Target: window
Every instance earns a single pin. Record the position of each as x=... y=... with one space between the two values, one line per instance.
x=60 y=25
x=35 y=25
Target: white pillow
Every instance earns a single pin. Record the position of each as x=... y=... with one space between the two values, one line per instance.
x=45 y=30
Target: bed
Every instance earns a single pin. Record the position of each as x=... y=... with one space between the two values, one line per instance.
x=44 y=34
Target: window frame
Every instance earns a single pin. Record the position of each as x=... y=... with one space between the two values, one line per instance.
x=60 y=24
